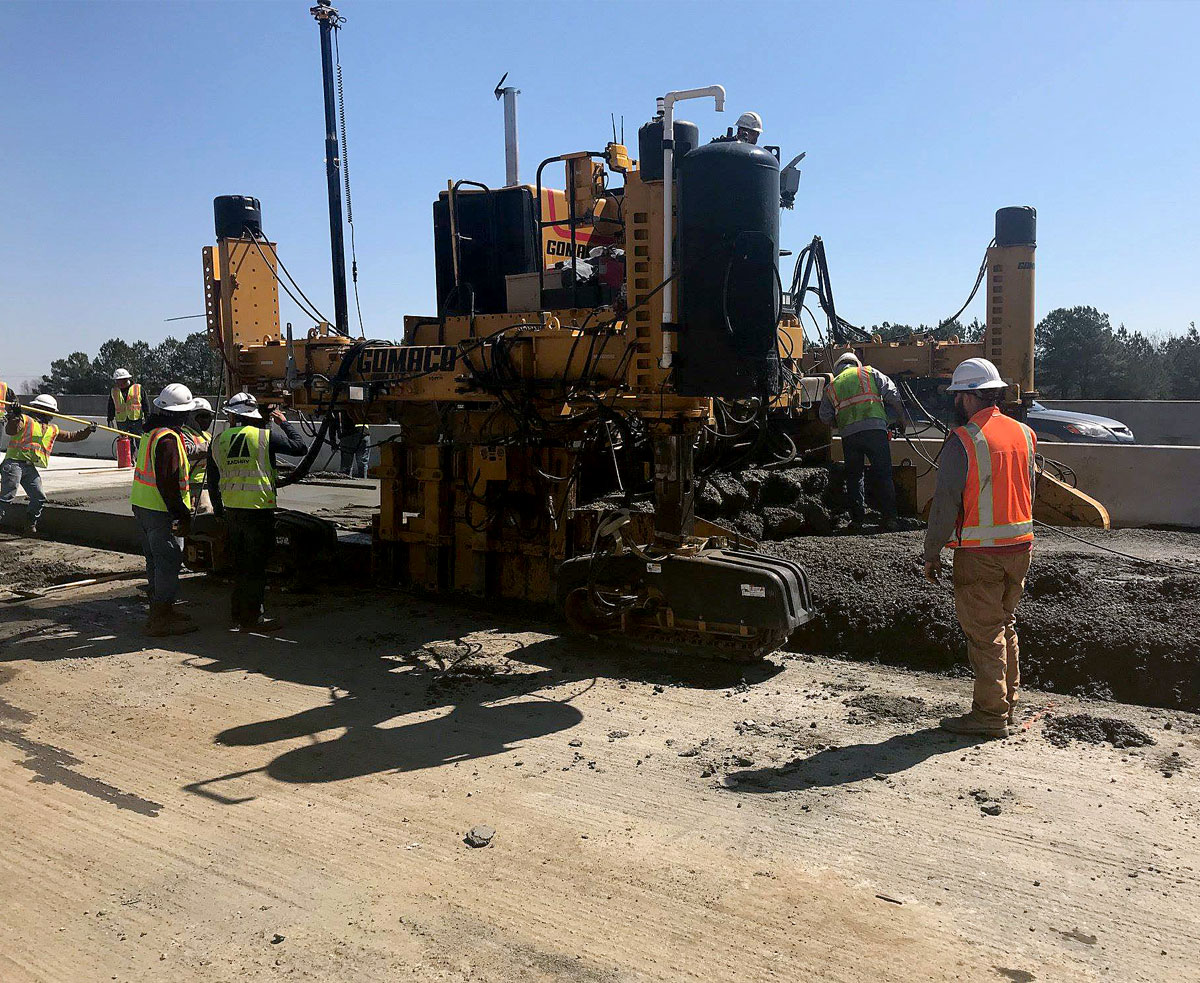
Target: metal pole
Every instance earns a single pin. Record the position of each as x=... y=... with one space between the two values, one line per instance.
x=328 y=18
x=512 y=166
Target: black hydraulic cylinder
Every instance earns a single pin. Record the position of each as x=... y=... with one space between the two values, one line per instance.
x=327 y=18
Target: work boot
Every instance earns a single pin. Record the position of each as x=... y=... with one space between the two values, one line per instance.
x=165 y=620
x=261 y=623
x=891 y=525
x=974 y=724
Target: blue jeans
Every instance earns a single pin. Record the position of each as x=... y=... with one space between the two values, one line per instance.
x=356 y=455
x=164 y=553
x=871 y=445
x=14 y=473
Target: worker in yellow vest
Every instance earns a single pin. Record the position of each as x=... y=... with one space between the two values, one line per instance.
x=127 y=408
x=983 y=509
x=856 y=404
x=242 y=479
x=197 y=438
x=31 y=438
x=162 y=505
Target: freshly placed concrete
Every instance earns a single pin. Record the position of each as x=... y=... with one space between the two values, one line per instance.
x=88 y=503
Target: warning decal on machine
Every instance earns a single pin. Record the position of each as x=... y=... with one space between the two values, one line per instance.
x=753 y=590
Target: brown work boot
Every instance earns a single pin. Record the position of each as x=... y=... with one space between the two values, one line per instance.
x=165 y=620
x=974 y=724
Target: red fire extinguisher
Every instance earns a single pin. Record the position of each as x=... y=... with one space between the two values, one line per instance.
x=124 y=452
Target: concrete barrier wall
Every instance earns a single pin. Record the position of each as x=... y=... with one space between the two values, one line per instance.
x=1153 y=421
x=1140 y=485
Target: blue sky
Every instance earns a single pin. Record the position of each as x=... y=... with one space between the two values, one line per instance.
x=124 y=119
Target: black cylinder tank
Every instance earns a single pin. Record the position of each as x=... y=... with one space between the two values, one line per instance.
x=1016 y=226
x=235 y=213
x=728 y=268
x=650 y=152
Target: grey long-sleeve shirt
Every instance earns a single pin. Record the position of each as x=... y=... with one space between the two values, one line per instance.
x=891 y=400
x=947 y=496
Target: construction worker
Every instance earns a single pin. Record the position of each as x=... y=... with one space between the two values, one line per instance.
x=856 y=403
x=749 y=127
x=354 y=440
x=31 y=438
x=242 y=479
x=983 y=509
x=197 y=437
x=162 y=505
x=127 y=407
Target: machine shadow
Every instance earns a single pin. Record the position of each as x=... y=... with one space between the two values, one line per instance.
x=846 y=765
x=379 y=655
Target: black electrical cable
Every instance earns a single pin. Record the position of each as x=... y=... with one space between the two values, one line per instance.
x=346 y=175
x=974 y=289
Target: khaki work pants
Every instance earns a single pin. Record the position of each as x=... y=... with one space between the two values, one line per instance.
x=987 y=589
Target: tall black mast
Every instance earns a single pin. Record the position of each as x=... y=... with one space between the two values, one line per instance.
x=328 y=19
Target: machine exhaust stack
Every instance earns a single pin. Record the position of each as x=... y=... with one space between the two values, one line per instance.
x=1008 y=340
x=512 y=166
x=328 y=18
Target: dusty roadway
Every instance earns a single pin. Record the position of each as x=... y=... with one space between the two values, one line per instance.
x=245 y=808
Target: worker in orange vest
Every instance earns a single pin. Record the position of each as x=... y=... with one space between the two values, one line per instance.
x=31 y=438
x=983 y=509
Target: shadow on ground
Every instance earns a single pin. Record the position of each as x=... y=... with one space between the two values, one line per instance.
x=854 y=763
x=380 y=657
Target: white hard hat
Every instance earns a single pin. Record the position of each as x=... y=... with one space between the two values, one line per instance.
x=175 y=398
x=847 y=358
x=975 y=373
x=243 y=404
x=750 y=121
x=121 y=375
x=45 y=402
x=203 y=404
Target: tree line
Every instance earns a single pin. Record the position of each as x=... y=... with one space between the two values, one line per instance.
x=1079 y=355
x=190 y=361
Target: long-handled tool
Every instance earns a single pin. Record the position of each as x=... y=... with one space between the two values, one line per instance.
x=73 y=419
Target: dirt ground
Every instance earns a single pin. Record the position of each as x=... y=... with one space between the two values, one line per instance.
x=237 y=807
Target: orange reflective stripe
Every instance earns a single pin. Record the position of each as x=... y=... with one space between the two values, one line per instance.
x=997 y=507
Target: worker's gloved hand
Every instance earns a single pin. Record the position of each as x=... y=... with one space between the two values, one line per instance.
x=90 y=428
x=933 y=570
x=183 y=527
x=277 y=416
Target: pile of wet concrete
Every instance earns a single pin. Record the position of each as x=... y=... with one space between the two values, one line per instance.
x=1090 y=623
x=780 y=504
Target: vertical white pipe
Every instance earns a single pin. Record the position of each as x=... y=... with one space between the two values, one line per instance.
x=666 y=105
x=512 y=166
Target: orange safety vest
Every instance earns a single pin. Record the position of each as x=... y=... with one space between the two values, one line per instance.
x=127 y=405
x=144 y=492
x=997 y=505
x=33 y=443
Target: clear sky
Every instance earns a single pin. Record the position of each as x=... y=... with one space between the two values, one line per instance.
x=122 y=120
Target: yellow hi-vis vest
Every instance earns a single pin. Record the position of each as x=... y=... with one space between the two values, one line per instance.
x=856 y=397
x=33 y=443
x=247 y=479
x=145 y=493
x=128 y=405
x=197 y=442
